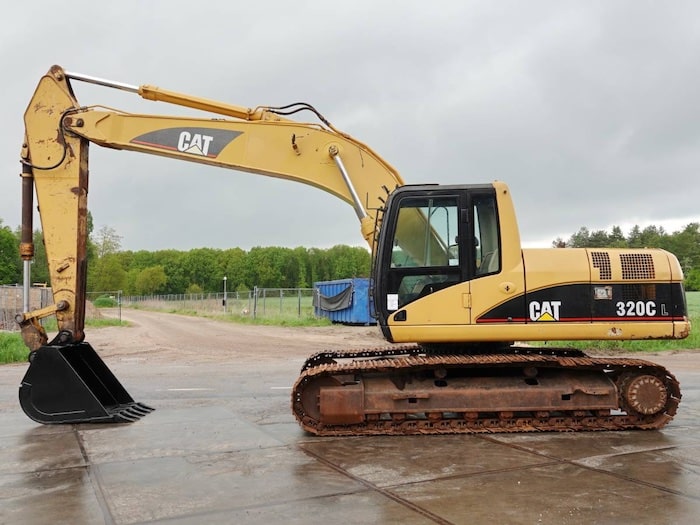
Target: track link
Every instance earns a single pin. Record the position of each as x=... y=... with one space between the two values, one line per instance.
x=648 y=395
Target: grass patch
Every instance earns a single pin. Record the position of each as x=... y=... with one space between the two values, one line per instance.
x=50 y=324
x=13 y=350
x=105 y=321
x=277 y=321
x=268 y=320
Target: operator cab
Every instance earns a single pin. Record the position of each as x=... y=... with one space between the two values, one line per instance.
x=434 y=237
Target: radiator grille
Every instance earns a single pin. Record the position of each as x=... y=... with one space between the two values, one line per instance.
x=601 y=260
x=637 y=266
x=638 y=292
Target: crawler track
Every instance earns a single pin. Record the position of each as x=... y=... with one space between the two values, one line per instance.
x=646 y=394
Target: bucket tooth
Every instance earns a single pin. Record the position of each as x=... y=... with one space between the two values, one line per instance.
x=141 y=409
x=126 y=416
x=71 y=384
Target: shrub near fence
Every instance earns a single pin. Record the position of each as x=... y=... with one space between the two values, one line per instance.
x=260 y=302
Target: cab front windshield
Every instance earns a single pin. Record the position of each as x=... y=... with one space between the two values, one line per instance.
x=426 y=245
x=437 y=243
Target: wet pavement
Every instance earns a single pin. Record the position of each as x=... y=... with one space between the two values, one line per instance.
x=223 y=447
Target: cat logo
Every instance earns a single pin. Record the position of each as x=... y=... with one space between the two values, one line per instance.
x=198 y=141
x=544 y=310
x=195 y=143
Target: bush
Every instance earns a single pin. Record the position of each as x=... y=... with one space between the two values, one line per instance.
x=692 y=280
x=105 y=301
x=12 y=348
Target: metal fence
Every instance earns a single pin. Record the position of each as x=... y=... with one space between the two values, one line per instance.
x=257 y=303
x=11 y=303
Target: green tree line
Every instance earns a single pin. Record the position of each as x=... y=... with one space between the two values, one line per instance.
x=192 y=271
x=684 y=244
x=202 y=269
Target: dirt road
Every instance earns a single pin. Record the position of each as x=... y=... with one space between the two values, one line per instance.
x=166 y=336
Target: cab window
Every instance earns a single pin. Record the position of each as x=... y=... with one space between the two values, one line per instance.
x=426 y=245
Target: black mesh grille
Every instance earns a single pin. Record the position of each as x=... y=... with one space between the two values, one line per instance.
x=601 y=260
x=638 y=292
x=637 y=266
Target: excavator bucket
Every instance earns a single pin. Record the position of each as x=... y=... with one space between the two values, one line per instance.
x=71 y=384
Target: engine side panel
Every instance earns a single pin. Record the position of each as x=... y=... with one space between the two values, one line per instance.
x=568 y=294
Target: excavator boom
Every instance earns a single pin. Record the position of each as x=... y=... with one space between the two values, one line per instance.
x=55 y=159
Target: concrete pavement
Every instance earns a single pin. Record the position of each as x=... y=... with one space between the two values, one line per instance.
x=223 y=447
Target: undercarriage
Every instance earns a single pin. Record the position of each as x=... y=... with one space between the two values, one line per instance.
x=414 y=390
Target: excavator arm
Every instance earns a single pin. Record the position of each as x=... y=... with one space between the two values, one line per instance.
x=260 y=140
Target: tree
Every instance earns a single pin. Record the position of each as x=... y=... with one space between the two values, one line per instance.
x=175 y=266
x=107 y=241
x=685 y=244
x=264 y=267
x=40 y=266
x=649 y=237
x=10 y=262
x=319 y=265
x=301 y=255
x=584 y=238
x=580 y=239
x=151 y=280
x=105 y=271
x=108 y=275
x=692 y=280
x=202 y=268
x=348 y=262
x=233 y=262
x=617 y=238
x=194 y=289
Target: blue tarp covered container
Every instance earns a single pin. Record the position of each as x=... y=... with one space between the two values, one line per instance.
x=346 y=301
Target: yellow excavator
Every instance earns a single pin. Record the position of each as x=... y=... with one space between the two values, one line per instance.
x=452 y=286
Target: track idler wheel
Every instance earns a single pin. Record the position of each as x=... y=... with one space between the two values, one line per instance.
x=643 y=394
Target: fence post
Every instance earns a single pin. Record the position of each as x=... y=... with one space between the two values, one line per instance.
x=255 y=302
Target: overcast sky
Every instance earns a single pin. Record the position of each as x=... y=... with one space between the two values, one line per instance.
x=589 y=110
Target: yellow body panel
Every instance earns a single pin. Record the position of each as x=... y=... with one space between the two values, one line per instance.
x=455 y=333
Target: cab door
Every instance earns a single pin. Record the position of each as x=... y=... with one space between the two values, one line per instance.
x=497 y=279
x=439 y=261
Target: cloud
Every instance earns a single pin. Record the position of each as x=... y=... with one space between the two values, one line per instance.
x=587 y=110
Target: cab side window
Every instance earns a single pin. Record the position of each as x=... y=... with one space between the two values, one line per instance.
x=487 y=256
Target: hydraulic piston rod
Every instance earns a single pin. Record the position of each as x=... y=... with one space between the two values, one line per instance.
x=26 y=242
x=356 y=202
